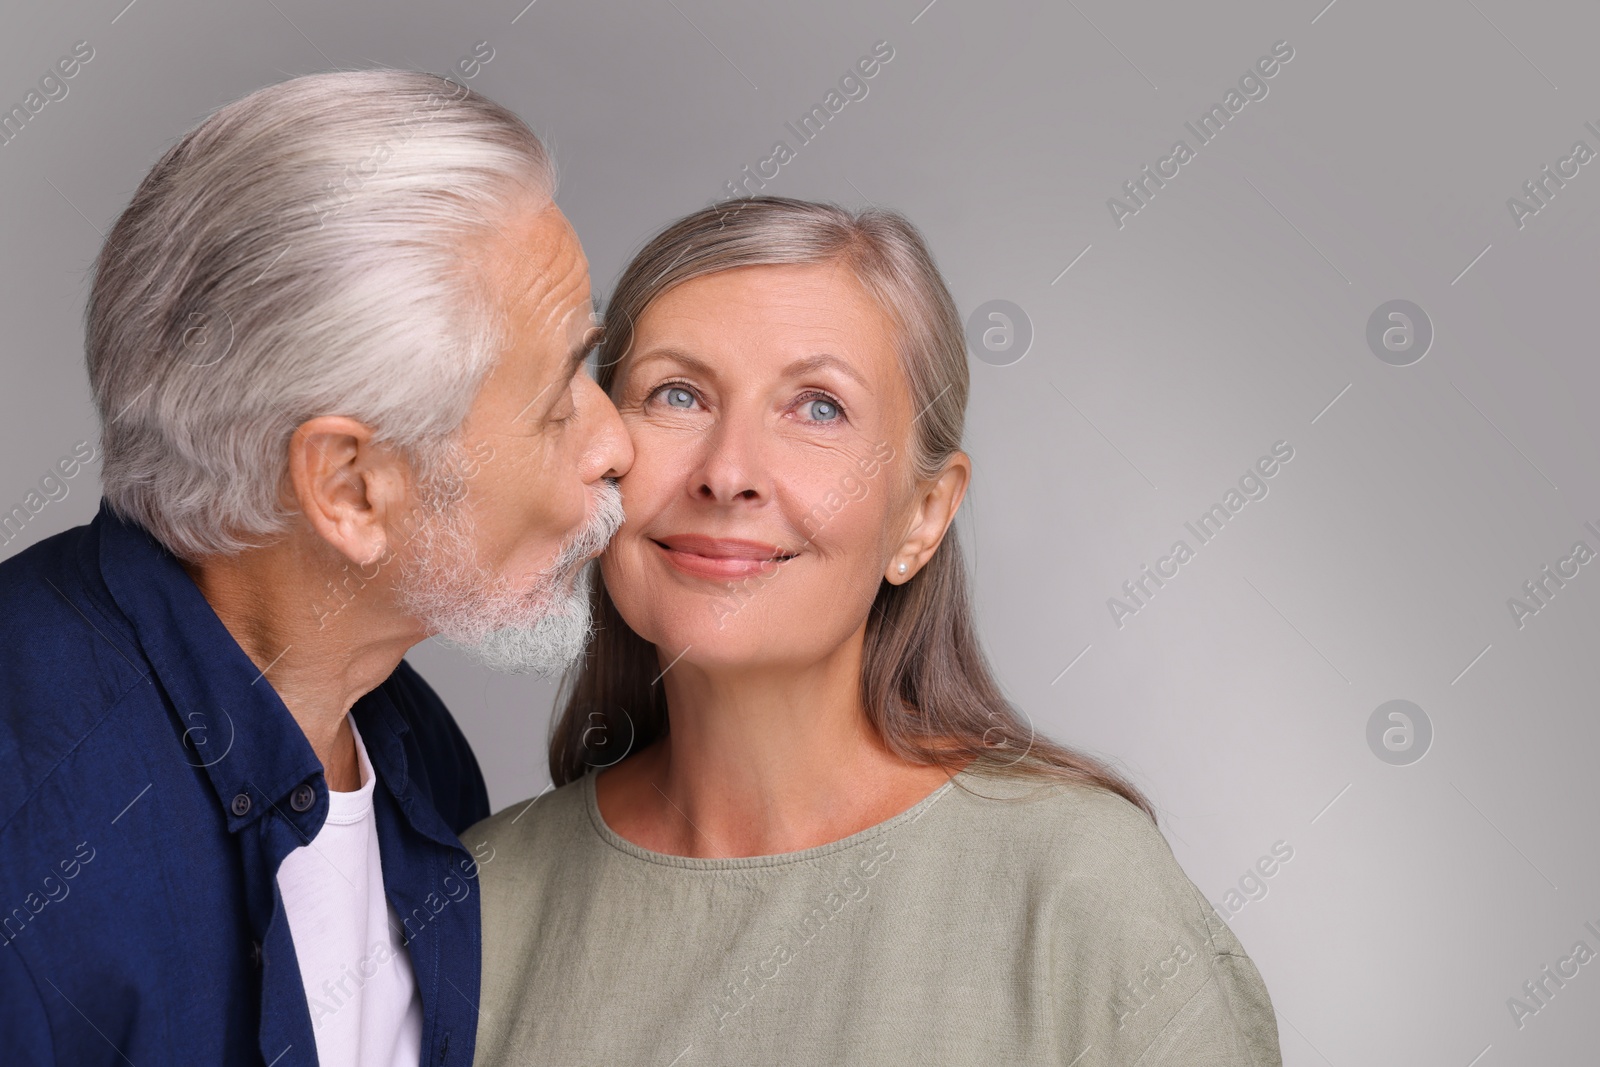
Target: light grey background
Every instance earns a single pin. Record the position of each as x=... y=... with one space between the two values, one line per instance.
x=1228 y=314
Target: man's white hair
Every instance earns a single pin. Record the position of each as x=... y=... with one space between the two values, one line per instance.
x=304 y=251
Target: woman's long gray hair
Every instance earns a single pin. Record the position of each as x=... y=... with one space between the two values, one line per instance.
x=926 y=683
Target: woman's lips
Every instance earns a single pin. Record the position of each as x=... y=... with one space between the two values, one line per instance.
x=720 y=558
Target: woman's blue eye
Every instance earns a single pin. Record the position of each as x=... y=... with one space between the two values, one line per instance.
x=680 y=398
x=823 y=410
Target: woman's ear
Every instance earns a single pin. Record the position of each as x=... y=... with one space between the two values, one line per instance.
x=348 y=488
x=935 y=509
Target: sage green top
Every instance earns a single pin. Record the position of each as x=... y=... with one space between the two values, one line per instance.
x=994 y=922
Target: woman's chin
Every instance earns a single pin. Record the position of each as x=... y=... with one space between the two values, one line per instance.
x=722 y=644
x=720 y=626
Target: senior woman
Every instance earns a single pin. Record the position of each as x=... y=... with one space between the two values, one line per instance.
x=796 y=820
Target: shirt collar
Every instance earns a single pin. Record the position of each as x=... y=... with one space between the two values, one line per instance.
x=384 y=729
x=234 y=725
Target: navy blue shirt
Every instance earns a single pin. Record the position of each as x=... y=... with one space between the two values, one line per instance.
x=150 y=787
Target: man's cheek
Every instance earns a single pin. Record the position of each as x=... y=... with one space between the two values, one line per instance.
x=557 y=517
x=512 y=514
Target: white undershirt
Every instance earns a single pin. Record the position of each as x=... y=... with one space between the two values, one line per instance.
x=365 y=1009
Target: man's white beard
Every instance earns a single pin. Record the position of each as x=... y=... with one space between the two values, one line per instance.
x=543 y=628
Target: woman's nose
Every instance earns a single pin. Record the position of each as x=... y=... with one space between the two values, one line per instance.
x=730 y=466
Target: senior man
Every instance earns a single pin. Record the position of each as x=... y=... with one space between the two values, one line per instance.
x=336 y=343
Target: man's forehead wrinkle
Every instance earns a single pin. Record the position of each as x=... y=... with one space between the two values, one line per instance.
x=571 y=314
x=512 y=256
x=530 y=269
x=541 y=298
x=543 y=251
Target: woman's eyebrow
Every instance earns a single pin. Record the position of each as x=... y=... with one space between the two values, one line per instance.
x=674 y=355
x=796 y=369
x=819 y=362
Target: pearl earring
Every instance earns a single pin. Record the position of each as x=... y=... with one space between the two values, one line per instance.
x=902 y=568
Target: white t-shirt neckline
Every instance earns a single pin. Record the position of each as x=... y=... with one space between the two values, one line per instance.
x=360 y=988
x=351 y=807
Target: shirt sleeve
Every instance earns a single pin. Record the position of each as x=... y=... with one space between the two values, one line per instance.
x=1150 y=975
x=22 y=1016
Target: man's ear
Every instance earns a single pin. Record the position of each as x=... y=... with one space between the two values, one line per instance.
x=935 y=509
x=347 y=488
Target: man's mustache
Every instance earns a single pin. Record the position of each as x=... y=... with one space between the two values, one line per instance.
x=596 y=533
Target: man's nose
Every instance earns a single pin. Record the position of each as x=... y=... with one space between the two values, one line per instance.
x=610 y=450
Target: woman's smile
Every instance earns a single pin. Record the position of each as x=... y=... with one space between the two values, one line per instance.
x=720 y=558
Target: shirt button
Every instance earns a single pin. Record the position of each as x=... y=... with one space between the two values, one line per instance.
x=302 y=798
x=241 y=805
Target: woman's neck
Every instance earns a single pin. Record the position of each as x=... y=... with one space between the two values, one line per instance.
x=760 y=763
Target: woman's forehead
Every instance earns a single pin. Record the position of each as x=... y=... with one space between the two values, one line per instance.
x=784 y=312
x=828 y=290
